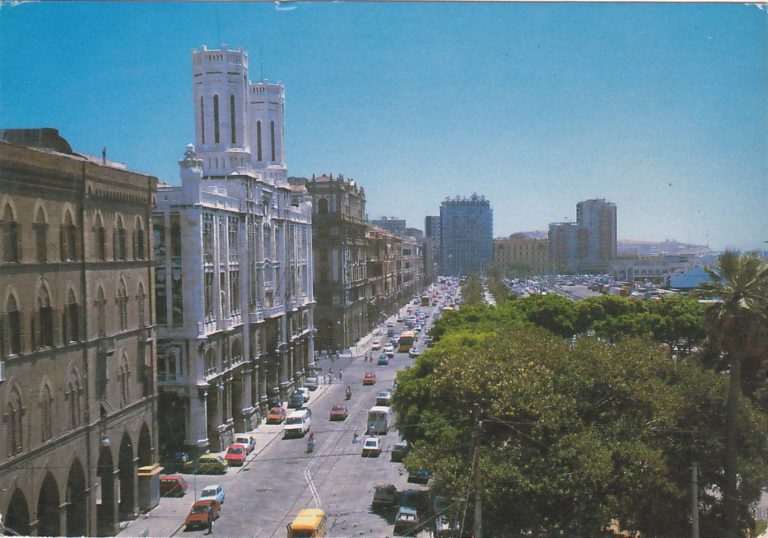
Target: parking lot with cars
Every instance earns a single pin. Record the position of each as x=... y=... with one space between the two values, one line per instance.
x=279 y=477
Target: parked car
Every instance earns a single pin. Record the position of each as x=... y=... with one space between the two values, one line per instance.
x=236 y=454
x=388 y=348
x=276 y=415
x=202 y=514
x=400 y=450
x=207 y=464
x=339 y=412
x=414 y=352
x=369 y=378
x=407 y=520
x=304 y=392
x=247 y=440
x=421 y=476
x=311 y=383
x=296 y=401
x=383 y=360
x=375 y=345
x=174 y=460
x=172 y=485
x=371 y=447
x=383 y=397
x=213 y=491
x=297 y=424
x=384 y=495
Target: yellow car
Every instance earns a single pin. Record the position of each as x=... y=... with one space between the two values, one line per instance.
x=207 y=464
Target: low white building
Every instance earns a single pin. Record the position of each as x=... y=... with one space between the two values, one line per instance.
x=234 y=272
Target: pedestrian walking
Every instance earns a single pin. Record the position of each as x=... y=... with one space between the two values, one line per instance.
x=339 y=374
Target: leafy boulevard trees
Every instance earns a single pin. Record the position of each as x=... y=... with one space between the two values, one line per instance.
x=575 y=433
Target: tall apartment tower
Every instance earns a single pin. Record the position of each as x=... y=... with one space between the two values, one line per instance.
x=599 y=218
x=234 y=276
x=466 y=236
x=589 y=244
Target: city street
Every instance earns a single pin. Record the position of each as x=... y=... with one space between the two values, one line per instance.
x=280 y=477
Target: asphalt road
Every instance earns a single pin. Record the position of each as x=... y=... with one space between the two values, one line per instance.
x=263 y=496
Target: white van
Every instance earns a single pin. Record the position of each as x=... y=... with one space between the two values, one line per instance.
x=297 y=423
x=379 y=420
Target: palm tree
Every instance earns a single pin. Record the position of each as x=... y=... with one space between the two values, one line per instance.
x=739 y=283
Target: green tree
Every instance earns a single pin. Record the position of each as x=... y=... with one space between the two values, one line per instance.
x=572 y=436
x=738 y=283
x=472 y=290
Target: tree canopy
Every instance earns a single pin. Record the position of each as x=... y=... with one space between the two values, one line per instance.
x=576 y=434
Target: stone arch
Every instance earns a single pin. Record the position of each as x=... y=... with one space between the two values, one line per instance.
x=17 y=518
x=48 y=515
x=39 y=207
x=77 y=519
x=145 y=446
x=105 y=503
x=73 y=395
x=123 y=376
x=322 y=206
x=14 y=409
x=127 y=475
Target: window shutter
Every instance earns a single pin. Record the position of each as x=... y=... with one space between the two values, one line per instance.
x=63 y=243
x=114 y=244
x=79 y=250
x=135 y=245
x=35 y=328
x=21 y=334
x=18 y=244
x=65 y=321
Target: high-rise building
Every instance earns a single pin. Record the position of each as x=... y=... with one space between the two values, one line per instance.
x=589 y=244
x=77 y=353
x=234 y=273
x=466 y=236
x=391 y=224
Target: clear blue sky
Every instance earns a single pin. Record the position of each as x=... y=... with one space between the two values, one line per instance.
x=660 y=108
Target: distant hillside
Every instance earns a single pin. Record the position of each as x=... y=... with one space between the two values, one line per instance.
x=653 y=248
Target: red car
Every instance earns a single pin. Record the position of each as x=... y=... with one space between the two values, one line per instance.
x=276 y=415
x=339 y=412
x=236 y=454
x=172 y=485
x=203 y=514
x=369 y=378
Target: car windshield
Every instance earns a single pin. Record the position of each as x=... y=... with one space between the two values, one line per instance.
x=201 y=508
x=293 y=420
x=209 y=493
x=371 y=444
x=338 y=408
x=235 y=450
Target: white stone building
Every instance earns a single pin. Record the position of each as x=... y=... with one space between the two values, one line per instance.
x=234 y=269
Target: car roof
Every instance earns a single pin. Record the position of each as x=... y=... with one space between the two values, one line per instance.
x=213 y=486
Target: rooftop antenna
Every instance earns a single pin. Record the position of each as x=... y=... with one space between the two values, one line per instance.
x=261 y=64
x=218 y=35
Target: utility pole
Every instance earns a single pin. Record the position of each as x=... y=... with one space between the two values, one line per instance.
x=694 y=500
x=477 y=527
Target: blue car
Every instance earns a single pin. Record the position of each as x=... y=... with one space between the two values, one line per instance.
x=383 y=360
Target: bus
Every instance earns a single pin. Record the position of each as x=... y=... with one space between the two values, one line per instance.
x=405 y=343
x=425 y=300
x=308 y=523
x=379 y=420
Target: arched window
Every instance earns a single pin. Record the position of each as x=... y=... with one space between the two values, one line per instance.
x=67 y=238
x=122 y=305
x=215 y=119
x=14 y=411
x=73 y=393
x=101 y=238
x=138 y=241
x=13 y=318
x=258 y=140
x=272 y=138
x=71 y=319
x=10 y=236
x=123 y=378
x=46 y=414
x=101 y=304
x=233 y=134
x=267 y=242
x=43 y=323
x=41 y=235
x=322 y=206
x=118 y=240
x=202 y=120
x=140 y=305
